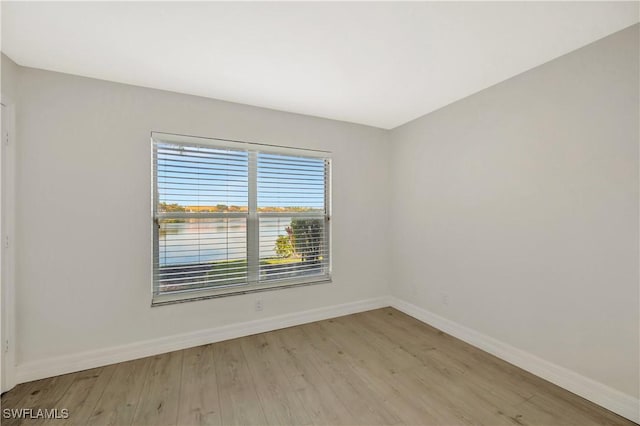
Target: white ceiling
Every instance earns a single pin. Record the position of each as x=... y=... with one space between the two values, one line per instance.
x=380 y=64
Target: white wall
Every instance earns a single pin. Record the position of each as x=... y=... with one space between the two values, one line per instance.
x=519 y=205
x=10 y=73
x=84 y=225
x=9 y=86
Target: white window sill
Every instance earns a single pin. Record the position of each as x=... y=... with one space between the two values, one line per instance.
x=211 y=293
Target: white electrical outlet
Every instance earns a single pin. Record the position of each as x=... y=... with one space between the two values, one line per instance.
x=259 y=307
x=444 y=297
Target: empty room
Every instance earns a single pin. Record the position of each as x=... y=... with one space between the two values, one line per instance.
x=320 y=213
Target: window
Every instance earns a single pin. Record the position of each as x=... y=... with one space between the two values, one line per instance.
x=233 y=217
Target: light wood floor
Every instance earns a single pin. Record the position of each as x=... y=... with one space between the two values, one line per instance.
x=377 y=367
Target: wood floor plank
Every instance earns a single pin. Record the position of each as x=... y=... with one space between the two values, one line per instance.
x=455 y=379
x=118 y=402
x=83 y=395
x=17 y=398
x=11 y=399
x=450 y=357
x=160 y=394
x=199 y=402
x=321 y=402
x=281 y=405
x=345 y=381
x=400 y=394
x=498 y=377
x=239 y=402
x=402 y=375
x=317 y=368
x=406 y=369
x=44 y=394
x=577 y=410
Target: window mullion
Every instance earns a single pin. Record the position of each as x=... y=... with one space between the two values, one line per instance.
x=327 y=214
x=154 y=215
x=253 y=233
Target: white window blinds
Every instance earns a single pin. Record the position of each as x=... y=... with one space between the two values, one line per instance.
x=234 y=217
x=291 y=209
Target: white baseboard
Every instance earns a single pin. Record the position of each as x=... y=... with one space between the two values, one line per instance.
x=91 y=359
x=603 y=395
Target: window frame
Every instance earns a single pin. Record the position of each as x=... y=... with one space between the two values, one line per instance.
x=252 y=217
